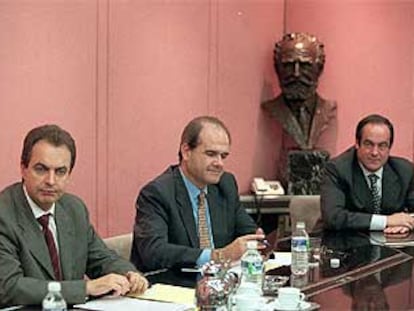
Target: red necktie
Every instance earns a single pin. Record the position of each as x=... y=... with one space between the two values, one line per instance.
x=203 y=233
x=54 y=257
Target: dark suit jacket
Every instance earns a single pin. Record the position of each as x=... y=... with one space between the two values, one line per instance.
x=165 y=234
x=345 y=195
x=25 y=265
x=325 y=112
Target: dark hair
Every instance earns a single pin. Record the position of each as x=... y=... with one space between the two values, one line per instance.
x=54 y=135
x=374 y=119
x=192 y=131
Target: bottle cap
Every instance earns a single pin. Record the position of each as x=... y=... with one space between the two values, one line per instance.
x=54 y=287
x=252 y=244
x=300 y=225
x=334 y=262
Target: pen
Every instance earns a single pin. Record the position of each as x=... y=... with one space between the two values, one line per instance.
x=154 y=272
x=193 y=270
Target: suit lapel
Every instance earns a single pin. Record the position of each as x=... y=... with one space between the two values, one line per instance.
x=290 y=124
x=320 y=119
x=32 y=233
x=361 y=189
x=216 y=209
x=185 y=209
x=66 y=240
x=390 y=188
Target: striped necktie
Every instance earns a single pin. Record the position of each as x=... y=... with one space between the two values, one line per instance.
x=375 y=195
x=50 y=241
x=203 y=232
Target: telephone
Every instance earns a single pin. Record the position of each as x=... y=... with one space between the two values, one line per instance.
x=271 y=187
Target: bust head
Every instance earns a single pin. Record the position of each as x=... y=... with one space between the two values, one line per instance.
x=299 y=59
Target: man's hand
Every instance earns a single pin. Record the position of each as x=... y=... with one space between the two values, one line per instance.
x=236 y=249
x=117 y=285
x=138 y=282
x=400 y=220
x=399 y=231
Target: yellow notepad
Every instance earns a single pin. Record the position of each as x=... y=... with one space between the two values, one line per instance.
x=168 y=293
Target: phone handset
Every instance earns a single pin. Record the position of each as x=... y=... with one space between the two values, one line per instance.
x=271 y=187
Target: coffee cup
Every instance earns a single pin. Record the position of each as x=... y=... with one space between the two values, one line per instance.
x=289 y=298
x=248 y=302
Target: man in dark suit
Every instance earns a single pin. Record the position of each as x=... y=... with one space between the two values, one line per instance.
x=170 y=231
x=45 y=234
x=365 y=187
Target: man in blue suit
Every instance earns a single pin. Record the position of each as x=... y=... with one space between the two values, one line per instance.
x=167 y=228
x=365 y=187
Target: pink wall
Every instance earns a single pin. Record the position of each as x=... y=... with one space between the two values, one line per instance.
x=126 y=76
x=369 y=68
x=48 y=75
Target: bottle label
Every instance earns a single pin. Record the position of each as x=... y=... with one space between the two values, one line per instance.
x=252 y=268
x=300 y=244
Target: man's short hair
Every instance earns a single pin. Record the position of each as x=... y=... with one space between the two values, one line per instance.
x=191 y=133
x=373 y=119
x=52 y=134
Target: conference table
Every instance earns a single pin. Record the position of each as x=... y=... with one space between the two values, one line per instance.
x=369 y=276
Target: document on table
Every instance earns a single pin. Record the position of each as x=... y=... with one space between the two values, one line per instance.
x=130 y=304
x=168 y=293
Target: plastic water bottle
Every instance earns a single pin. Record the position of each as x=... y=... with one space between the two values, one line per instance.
x=300 y=250
x=252 y=269
x=54 y=300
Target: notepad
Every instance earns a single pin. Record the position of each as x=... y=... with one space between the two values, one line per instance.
x=168 y=293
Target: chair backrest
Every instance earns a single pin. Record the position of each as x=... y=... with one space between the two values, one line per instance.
x=121 y=244
x=306 y=208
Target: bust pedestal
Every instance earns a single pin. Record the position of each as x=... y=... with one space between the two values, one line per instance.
x=305 y=171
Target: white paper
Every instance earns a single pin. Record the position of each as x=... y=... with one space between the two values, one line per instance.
x=282 y=258
x=130 y=304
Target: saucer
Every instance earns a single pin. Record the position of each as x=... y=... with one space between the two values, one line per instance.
x=303 y=305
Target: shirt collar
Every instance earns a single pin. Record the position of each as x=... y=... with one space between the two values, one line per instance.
x=193 y=190
x=37 y=211
x=367 y=173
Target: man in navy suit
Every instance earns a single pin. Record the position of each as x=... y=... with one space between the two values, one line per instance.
x=166 y=232
x=365 y=187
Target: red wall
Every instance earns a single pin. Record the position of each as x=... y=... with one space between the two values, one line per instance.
x=124 y=77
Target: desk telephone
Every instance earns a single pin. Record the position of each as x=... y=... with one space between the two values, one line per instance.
x=270 y=187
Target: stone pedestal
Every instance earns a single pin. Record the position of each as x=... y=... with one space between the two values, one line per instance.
x=305 y=171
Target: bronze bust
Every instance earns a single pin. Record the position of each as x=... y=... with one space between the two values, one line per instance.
x=299 y=59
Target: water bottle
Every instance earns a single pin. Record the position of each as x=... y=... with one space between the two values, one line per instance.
x=252 y=270
x=54 y=300
x=300 y=250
